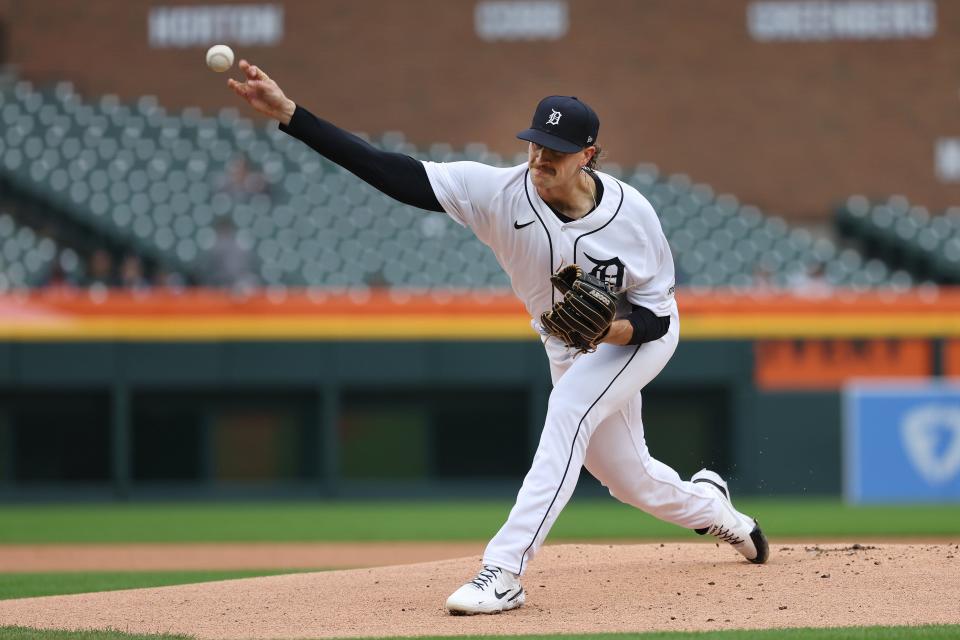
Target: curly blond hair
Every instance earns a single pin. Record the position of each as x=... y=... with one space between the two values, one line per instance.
x=594 y=163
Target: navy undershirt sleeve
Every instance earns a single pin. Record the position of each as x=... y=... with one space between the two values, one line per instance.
x=398 y=175
x=647 y=326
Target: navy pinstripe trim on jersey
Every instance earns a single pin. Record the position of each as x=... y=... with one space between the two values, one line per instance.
x=570 y=458
x=526 y=190
x=620 y=204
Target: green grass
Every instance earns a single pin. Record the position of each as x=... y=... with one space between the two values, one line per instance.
x=20 y=633
x=853 y=633
x=28 y=585
x=433 y=520
x=856 y=633
x=419 y=520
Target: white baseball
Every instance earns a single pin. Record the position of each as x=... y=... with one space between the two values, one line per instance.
x=219 y=57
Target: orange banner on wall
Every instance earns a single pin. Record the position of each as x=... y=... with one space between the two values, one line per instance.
x=951 y=358
x=828 y=364
x=197 y=314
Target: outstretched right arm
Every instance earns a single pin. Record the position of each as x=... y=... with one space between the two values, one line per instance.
x=395 y=174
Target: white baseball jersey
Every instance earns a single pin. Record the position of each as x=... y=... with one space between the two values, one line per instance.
x=594 y=413
x=621 y=241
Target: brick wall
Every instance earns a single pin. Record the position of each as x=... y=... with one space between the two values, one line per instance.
x=792 y=127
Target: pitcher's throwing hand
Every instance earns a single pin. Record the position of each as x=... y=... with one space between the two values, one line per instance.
x=263 y=93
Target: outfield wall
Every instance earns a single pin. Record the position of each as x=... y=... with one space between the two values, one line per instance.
x=341 y=418
x=202 y=393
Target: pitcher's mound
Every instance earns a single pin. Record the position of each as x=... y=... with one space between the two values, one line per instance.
x=570 y=588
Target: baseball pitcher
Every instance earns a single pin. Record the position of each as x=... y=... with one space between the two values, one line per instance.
x=588 y=258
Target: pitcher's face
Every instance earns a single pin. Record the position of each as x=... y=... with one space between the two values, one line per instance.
x=550 y=169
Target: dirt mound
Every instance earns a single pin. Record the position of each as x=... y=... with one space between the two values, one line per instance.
x=571 y=588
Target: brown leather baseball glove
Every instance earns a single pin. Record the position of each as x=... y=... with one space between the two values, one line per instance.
x=583 y=316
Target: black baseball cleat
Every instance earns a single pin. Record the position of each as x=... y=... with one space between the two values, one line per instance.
x=760 y=544
x=740 y=531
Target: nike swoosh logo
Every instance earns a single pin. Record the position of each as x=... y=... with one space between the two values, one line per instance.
x=499 y=595
x=517 y=225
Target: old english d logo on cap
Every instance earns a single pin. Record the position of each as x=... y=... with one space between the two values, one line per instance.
x=562 y=123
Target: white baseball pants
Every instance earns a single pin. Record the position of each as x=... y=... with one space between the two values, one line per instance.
x=593 y=420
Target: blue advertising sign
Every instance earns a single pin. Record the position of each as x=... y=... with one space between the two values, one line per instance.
x=901 y=442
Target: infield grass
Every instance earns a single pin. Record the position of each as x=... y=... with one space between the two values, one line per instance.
x=29 y=585
x=851 y=633
x=585 y=519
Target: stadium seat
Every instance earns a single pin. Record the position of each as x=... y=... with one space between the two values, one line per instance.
x=160 y=182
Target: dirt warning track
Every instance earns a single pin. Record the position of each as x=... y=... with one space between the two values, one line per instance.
x=225 y=556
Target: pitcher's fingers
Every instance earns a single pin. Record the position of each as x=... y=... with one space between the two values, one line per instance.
x=238 y=88
x=258 y=85
x=244 y=65
x=259 y=74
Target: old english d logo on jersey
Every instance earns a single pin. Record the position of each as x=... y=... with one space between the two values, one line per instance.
x=609 y=271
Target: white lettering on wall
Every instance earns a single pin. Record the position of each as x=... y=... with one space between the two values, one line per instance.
x=947 y=159
x=203 y=25
x=842 y=20
x=521 y=19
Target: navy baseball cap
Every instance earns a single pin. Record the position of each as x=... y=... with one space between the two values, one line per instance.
x=563 y=123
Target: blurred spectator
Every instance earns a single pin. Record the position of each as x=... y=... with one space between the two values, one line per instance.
x=762 y=279
x=377 y=279
x=170 y=280
x=57 y=277
x=240 y=180
x=811 y=283
x=100 y=270
x=131 y=273
x=64 y=270
x=227 y=263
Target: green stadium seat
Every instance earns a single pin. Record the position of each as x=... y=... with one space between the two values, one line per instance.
x=154 y=179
